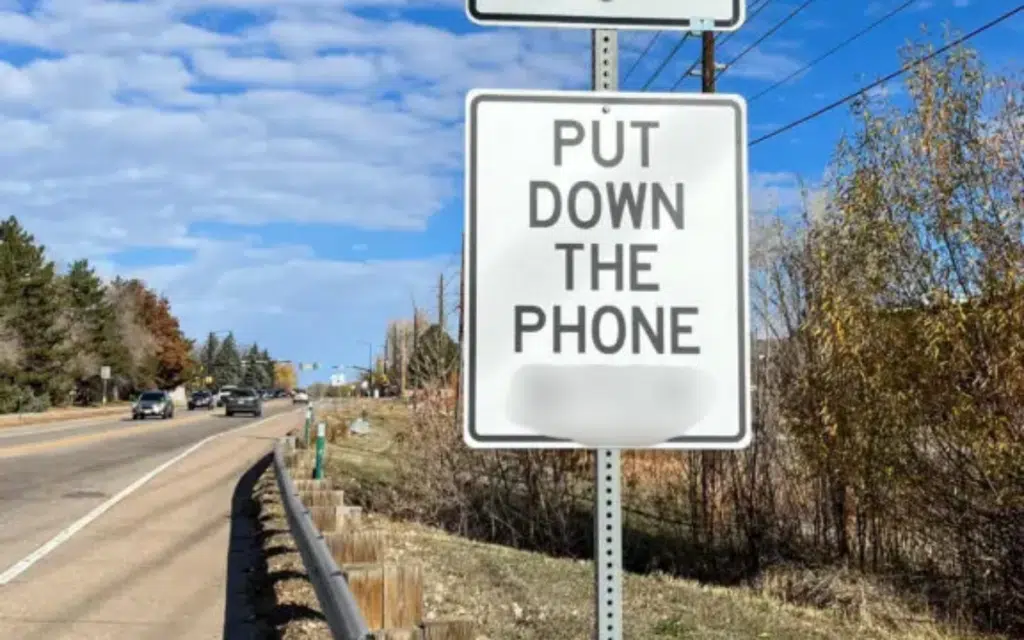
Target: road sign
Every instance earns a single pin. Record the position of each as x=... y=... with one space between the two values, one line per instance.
x=701 y=15
x=607 y=270
x=105 y=373
x=337 y=379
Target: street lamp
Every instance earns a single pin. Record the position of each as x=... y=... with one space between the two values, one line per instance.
x=369 y=354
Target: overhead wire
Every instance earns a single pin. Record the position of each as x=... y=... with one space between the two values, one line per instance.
x=724 y=38
x=668 y=58
x=835 y=49
x=895 y=74
x=642 y=55
x=765 y=36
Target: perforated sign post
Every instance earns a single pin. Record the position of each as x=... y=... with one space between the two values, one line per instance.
x=104 y=375
x=706 y=15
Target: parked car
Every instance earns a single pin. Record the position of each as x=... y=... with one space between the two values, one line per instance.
x=201 y=399
x=243 y=400
x=299 y=395
x=153 y=403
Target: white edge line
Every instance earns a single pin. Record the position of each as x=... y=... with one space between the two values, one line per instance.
x=23 y=565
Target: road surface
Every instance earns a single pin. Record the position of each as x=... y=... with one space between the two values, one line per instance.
x=151 y=566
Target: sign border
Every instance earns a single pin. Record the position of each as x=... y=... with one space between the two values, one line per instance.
x=473 y=101
x=587 y=21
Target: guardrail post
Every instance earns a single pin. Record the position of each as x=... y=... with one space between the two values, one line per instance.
x=309 y=421
x=321 y=437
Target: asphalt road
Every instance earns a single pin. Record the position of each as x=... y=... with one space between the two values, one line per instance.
x=51 y=475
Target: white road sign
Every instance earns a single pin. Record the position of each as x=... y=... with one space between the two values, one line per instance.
x=105 y=373
x=337 y=379
x=705 y=15
x=607 y=271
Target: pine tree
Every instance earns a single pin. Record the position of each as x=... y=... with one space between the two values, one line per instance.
x=31 y=299
x=434 y=359
x=227 y=366
x=208 y=355
x=252 y=369
x=266 y=370
x=95 y=338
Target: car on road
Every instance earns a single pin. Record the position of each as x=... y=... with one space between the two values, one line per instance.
x=224 y=392
x=201 y=399
x=243 y=400
x=299 y=395
x=153 y=403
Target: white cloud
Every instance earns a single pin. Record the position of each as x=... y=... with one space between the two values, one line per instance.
x=120 y=137
x=135 y=127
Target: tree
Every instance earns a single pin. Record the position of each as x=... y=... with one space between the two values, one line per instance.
x=434 y=359
x=904 y=380
x=171 y=364
x=94 y=338
x=30 y=298
x=252 y=368
x=208 y=355
x=266 y=369
x=227 y=366
x=138 y=342
x=285 y=376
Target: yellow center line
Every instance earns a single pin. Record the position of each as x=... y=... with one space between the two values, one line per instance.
x=111 y=434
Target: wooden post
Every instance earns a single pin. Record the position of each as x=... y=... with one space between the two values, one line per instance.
x=333 y=518
x=367 y=586
x=303 y=485
x=449 y=630
x=328 y=498
x=390 y=596
x=403 y=595
x=356 y=547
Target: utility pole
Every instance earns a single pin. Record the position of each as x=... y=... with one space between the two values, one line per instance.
x=440 y=301
x=707 y=59
x=708 y=71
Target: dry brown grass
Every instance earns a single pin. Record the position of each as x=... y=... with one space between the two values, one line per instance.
x=525 y=595
x=59 y=414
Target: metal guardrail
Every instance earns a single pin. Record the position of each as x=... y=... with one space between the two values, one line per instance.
x=336 y=601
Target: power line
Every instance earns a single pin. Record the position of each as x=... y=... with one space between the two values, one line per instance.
x=833 y=50
x=643 y=55
x=766 y=35
x=895 y=74
x=664 y=63
x=724 y=39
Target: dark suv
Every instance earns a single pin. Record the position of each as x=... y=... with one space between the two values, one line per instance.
x=243 y=400
x=153 y=403
x=201 y=399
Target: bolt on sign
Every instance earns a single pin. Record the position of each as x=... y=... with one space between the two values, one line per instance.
x=606 y=274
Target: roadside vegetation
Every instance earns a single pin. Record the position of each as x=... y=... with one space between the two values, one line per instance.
x=59 y=327
x=885 y=483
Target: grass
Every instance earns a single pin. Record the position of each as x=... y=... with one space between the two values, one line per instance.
x=57 y=414
x=516 y=594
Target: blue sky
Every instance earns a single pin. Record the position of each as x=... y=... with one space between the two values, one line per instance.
x=291 y=169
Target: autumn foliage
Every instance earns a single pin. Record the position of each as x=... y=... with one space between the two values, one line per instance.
x=57 y=329
x=889 y=368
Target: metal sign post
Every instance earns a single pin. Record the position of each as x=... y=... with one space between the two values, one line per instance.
x=309 y=421
x=607 y=462
x=104 y=375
